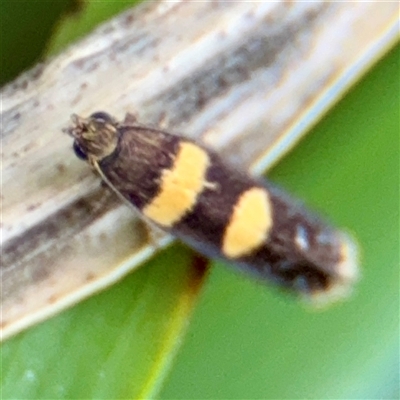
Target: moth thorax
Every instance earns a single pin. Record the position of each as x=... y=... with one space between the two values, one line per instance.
x=99 y=140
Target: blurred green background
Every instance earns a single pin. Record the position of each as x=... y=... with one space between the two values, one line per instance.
x=247 y=341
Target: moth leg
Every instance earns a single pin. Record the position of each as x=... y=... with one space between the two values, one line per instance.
x=163 y=121
x=130 y=119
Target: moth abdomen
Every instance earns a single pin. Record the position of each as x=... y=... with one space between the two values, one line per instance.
x=190 y=191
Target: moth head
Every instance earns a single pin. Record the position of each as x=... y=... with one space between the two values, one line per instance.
x=95 y=137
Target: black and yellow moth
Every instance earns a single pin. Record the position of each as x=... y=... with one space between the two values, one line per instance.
x=220 y=211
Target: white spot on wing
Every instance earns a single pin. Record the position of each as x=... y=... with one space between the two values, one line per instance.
x=301 y=238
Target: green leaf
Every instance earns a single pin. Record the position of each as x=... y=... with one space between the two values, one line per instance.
x=118 y=344
x=84 y=20
x=21 y=42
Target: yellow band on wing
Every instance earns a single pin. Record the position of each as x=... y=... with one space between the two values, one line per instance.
x=249 y=225
x=179 y=186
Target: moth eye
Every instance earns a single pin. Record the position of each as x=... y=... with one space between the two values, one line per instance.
x=80 y=153
x=102 y=116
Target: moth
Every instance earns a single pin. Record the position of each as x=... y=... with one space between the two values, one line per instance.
x=186 y=189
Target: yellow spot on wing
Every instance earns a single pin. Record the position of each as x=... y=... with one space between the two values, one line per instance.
x=179 y=186
x=249 y=225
